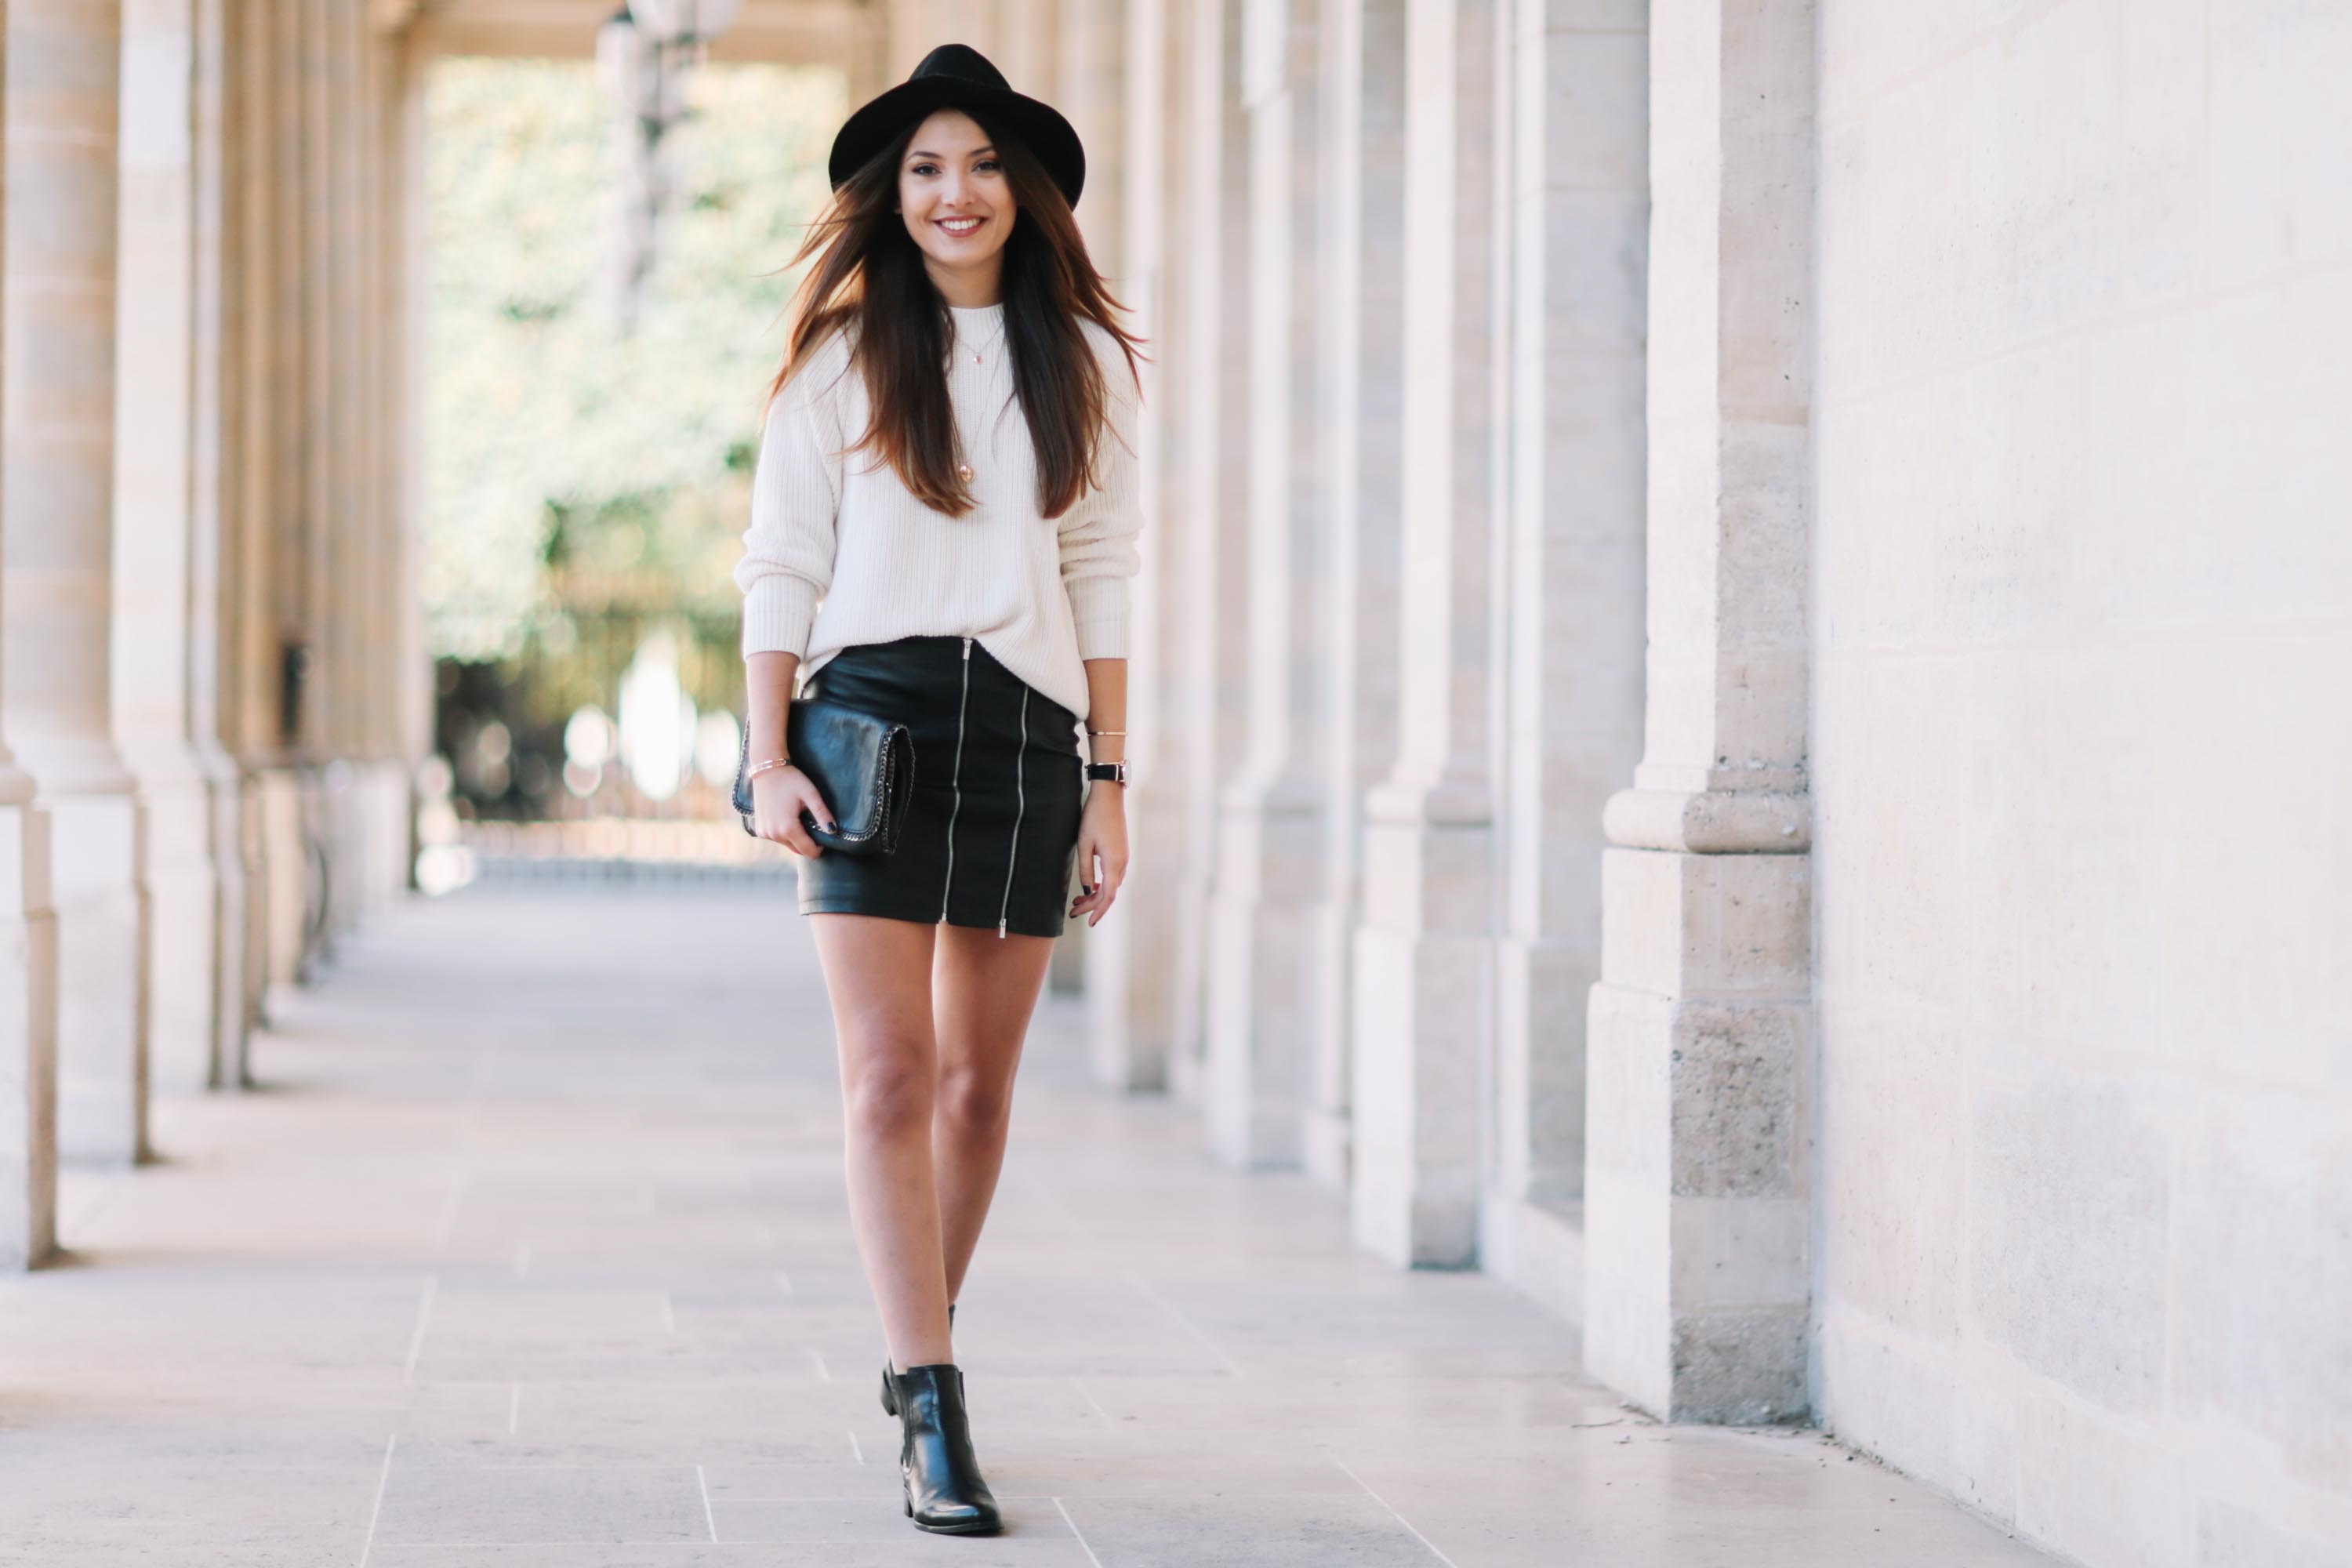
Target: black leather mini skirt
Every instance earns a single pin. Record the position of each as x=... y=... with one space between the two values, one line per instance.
x=991 y=832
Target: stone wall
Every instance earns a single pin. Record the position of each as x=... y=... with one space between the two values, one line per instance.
x=2082 y=674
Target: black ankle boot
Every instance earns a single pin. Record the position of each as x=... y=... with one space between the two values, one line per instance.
x=890 y=1400
x=939 y=1475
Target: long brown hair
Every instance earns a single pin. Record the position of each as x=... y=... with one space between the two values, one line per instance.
x=871 y=274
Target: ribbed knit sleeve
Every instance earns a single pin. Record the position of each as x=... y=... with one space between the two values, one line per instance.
x=1098 y=533
x=787 y=561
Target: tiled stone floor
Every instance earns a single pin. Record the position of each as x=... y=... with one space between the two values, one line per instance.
x=532 y=1253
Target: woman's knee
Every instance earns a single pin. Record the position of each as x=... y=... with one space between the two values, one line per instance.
x=973 y=1101
x=890 y=1093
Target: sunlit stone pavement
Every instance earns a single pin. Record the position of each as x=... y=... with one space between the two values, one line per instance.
x=532 y=1252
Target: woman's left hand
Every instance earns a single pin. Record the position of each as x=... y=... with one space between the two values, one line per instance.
x=1102 y=850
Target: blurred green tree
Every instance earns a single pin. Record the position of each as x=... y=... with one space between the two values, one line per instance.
x=571 y=471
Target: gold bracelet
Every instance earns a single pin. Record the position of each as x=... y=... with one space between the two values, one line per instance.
x=758 y=768
x=1105 y=731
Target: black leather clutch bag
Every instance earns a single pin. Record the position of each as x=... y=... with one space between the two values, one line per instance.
x=862 y=764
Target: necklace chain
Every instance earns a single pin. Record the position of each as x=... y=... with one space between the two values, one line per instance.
x=980 y=350
x=980 y=353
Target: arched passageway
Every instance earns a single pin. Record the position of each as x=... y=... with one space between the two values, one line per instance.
x=1719 y=579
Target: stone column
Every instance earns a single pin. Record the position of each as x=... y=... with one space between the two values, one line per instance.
x=285 y=810
x=1696 y=1213
x=374 y=588
x=1360 y=355
x=214 y=315
x=342 y=587
x=916 y=27
x=157 y=671
x=1093 y=67
x=375 y=814
x=380 y=781
x=252 y=210
x=1261 y=914
x=405 y=129
x=63 y=76
x=1025 y=42
x=1573 y=634
x=28 y=1023
x=385 y=74
x=1212 y=663
x=29 y=940
x=1424 y=952
x=1130 y=998
x=324 y=829
x=1089 y=86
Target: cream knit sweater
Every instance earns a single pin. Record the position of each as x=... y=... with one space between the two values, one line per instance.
x=838 y=551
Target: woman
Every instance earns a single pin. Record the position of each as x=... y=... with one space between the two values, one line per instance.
x=947 y=461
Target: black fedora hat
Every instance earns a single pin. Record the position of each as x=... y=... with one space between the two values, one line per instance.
x=957 y=76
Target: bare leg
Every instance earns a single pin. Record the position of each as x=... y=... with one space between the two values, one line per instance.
x=984 y=989
x=877 y=972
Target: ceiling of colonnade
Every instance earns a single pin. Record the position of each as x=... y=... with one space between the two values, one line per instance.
x=806 y=32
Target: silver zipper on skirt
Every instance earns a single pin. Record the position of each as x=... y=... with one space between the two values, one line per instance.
x=955 y=781
x=1020 y=803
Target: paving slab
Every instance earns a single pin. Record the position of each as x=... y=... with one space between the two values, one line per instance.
x=531 y=1249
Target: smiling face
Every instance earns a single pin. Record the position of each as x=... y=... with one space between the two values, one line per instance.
x=958 y=205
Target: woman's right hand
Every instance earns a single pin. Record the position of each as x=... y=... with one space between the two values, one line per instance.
x=778 y=797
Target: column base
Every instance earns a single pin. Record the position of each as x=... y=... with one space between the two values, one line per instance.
x=1723 y=1364
x=28 y=1037
x=102 y=993
x=1326 y=1133
x=224 y=828
x=184 y=897
x=256 y=790
x=1255 y=1062
x=286 y=868
x=1259 y=948
x=1540 y=993
x=386 y=834
x=1124 y=1050
x=1326 y=1142
x=1424 y=1016
x=1697 y=1232
x=1188 y=990
x=1065 y=969
x=1419 y=1007
x=1130 y=986
x=1535 y=1248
